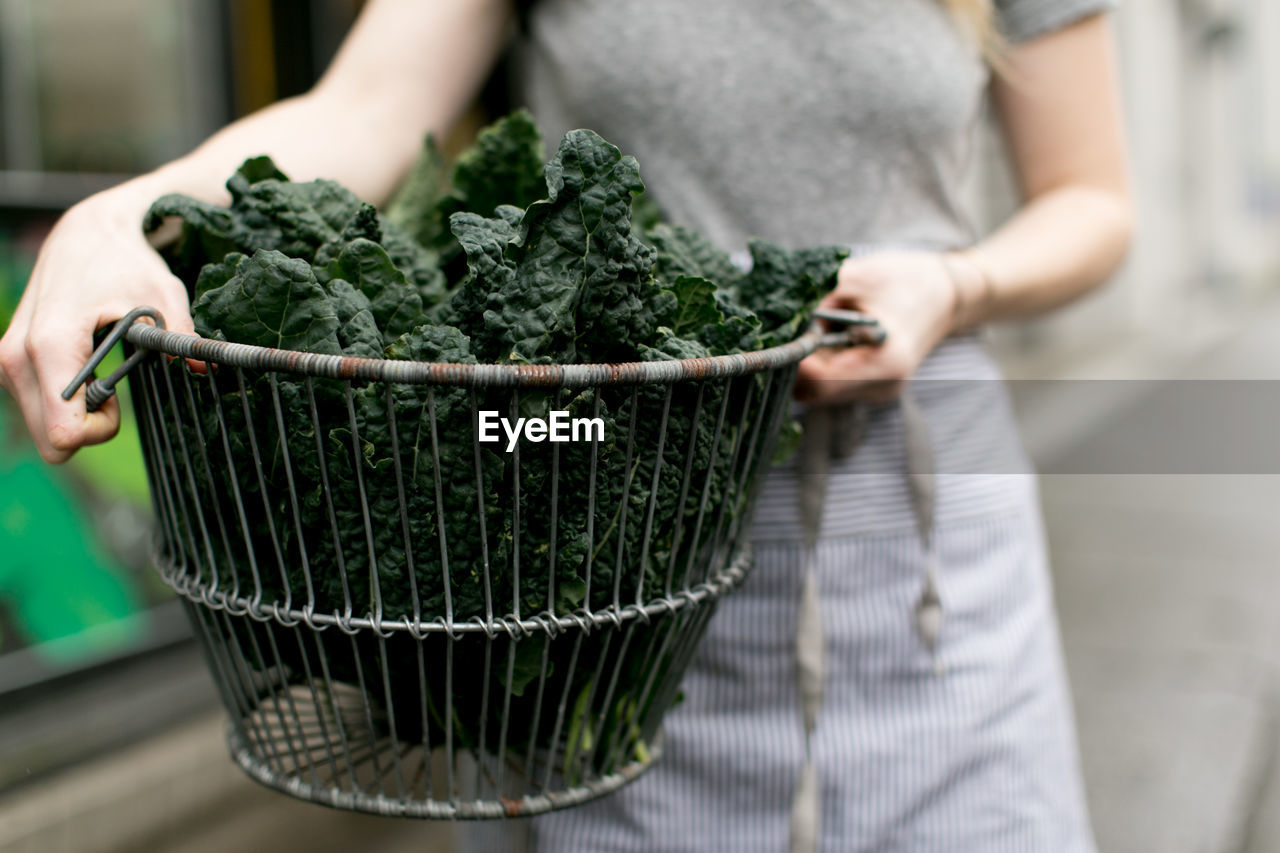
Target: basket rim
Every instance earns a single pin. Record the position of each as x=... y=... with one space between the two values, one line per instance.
x=246 y=356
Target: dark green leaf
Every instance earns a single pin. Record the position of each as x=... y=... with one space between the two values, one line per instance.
x=504 y=166
x=271 y=301
x=581 y=289
x=396 y=307
x=357 y=331
x=784 y=285
x=696 y=305
x=433 y=343
x=485 y=243
x=683 y=251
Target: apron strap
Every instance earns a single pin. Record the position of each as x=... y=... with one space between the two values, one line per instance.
x=828 y=432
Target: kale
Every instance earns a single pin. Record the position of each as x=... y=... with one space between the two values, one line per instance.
x=272 y=300
x=570 y=282
x=311 y=221
x=356 y=498
x=780 y=281
x=503 y=167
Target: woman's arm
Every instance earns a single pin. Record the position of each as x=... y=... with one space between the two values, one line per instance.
x=1059 y=106
x=407 y=67
x=1060 y=110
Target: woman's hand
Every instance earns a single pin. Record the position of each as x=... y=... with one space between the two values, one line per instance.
x=913 y=295
x=94 y=267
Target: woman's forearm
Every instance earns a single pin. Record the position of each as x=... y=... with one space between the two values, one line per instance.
x=1059 y=105
x=408 y=66
x=1058 y=247
x=406 y=69
x=368 y=164
x=309 y=136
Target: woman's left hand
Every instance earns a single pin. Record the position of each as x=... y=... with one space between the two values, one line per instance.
x=913 y=297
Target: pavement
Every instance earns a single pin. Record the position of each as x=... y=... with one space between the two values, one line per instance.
x=1166 y=589
x=1166 y=561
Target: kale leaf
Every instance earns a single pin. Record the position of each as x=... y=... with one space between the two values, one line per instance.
x=271 y=301
x=581 y=289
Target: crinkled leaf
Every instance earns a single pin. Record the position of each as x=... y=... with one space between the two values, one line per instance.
x=271 y=301
x=671 y=346
x=485 y=243
x=695 y=305
x=261 y=168
x=365 y=225
x=296 y=219
x=209 y=233
x=582 y=288
x=216 y=274
x=784 y=285
x=421 y=266
x=503 y=166
x=395 y=305
x=740 y=331
x=683 y=251
x=357 y=332
x=433 y=343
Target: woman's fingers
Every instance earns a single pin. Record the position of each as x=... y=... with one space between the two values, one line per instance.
x=866 y=373
x=20 y=381
x=56 y=354
x=88 y=275
x=39 y=360
x=809 y=375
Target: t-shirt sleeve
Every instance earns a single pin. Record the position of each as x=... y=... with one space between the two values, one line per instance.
x=1023 y=20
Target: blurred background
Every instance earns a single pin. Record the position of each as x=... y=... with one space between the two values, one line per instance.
x=1151 y=409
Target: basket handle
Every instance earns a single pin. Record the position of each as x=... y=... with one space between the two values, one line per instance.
x=98 y=391
x=859 y=329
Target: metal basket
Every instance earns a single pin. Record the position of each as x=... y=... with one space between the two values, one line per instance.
x=424 y=624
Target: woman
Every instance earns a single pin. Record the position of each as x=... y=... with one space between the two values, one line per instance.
x=827 y=121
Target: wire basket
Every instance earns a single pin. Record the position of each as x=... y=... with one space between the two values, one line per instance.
x=404 y=618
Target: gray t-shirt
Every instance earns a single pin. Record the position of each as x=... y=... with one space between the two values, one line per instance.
x=826 y=121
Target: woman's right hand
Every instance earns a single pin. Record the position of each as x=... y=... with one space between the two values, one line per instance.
x=95 y=266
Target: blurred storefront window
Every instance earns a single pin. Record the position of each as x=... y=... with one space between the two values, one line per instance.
x=91 y=93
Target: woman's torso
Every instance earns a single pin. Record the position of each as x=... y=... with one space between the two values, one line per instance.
x=806 y=123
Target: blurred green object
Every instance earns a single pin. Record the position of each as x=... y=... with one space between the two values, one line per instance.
x=11 y=272
x=6 y=304
x=53 y=580
x=114 y=469
x=59 y=590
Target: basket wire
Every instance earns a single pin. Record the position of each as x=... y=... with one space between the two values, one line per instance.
x=371 y=661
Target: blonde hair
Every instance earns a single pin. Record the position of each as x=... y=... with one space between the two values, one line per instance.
x=977 y=17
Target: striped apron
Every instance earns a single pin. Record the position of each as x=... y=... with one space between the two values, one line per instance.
x=966 y=746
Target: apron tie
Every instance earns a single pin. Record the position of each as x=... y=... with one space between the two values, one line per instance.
x=834 y=432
